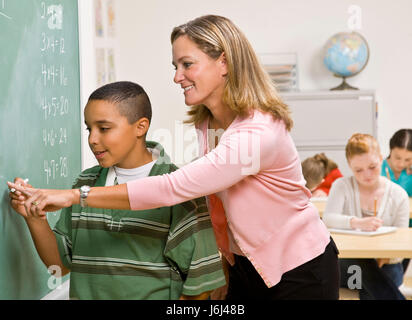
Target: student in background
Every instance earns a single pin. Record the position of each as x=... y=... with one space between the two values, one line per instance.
x=398 y=166
x=320 y=172
x=367 y=201
x=272 y=238
x=166 y=253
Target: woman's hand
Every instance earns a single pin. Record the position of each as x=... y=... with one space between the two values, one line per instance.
x=366 y=224
x=39 y=201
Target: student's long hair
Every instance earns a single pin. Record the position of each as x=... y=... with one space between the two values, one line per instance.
x=401 y=139
x=361 y=143
x=248 y=86
x=315 y=169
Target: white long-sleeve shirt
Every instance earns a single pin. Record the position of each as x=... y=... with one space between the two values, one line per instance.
x=344 y=204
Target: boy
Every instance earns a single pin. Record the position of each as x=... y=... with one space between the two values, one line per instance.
x=164 y=253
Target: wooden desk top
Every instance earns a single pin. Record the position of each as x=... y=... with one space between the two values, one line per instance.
x=322 y=204
x=397 y=244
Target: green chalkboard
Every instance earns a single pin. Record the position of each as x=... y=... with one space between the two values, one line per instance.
x=39 y=125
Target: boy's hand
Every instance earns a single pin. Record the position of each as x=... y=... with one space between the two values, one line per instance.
x=17 y=198
x=37 y=201
x=202 y=296
x=219 y=293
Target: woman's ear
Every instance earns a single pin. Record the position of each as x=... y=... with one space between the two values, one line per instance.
x=142 y=126
x=223 y=63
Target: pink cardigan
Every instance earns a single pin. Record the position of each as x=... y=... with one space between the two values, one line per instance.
x=255 y=171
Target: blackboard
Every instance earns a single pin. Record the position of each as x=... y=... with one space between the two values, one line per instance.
x=39 y=125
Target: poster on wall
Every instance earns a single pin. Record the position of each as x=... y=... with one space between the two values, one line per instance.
x=101 y=67
x=98 y=17
x=111 y=31
x=111 y=73
x=105 y=19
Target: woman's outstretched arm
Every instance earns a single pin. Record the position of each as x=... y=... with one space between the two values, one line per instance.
x=242 y=151
x=39 y=201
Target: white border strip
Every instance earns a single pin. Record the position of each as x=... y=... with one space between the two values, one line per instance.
x=60 y=293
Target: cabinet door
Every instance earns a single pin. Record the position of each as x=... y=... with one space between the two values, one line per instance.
x=330 y=122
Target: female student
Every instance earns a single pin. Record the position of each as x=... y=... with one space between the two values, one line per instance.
x=271 y=236
x=398 y=166
x=320 y=172
x=367 y=201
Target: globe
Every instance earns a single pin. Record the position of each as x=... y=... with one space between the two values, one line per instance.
x=346 y=54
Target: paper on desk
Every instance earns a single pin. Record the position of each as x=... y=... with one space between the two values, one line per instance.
x=381 y=230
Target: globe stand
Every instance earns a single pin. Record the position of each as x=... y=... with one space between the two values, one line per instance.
x=344 y=85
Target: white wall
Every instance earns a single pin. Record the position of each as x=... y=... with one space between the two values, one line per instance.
x=88 y=78
x=144 y=51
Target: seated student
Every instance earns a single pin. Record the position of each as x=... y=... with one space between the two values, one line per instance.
x=164 y=253
x=367 y=201
x=398 y=166
x=320 y=172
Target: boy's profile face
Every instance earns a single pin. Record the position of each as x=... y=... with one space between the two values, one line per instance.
x=112 y=139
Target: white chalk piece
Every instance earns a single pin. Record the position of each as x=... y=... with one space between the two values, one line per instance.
x=25 y=181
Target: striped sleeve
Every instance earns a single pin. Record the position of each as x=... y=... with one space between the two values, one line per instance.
x=63 y=228
x=191 y=247
x=63 y=233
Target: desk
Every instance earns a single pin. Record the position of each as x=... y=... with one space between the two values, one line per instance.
x=321 y=204
x=397 y=244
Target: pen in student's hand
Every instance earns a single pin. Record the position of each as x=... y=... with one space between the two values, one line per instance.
x=25 y=181
x=387 y=173
x=374 y=207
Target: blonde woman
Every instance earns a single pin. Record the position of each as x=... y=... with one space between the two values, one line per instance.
x=274 y=243
x=367 y=201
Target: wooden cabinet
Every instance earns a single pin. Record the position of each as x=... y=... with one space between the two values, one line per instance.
x=325 y=120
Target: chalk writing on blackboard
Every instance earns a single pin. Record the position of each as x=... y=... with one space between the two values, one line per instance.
x=52 y=75
x=54 y=15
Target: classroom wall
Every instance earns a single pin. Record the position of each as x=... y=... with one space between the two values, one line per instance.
x=143 y=50
x=88 y=78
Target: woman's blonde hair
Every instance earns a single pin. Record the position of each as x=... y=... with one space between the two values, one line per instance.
x=361 y=143
x=315 y=169
x=248 y=86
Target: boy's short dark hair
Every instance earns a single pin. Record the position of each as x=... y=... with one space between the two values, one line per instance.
x=130 y=99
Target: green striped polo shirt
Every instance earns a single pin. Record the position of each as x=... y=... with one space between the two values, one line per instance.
x=148 y=254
